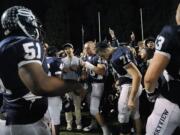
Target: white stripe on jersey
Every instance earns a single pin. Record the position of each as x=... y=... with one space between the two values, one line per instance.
x=29 y=61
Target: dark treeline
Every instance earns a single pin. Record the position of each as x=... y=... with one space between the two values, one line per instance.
x=63 y=19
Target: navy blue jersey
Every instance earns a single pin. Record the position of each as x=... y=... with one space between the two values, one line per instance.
x=92 y=76
x=120 y=58
x=20 y=105
x=168 y=43
x=54 y=64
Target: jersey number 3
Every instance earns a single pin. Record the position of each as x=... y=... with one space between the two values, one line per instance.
x=159 y=42
x=32 y=50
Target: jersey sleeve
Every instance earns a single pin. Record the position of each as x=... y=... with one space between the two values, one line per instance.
x=29 y=51
x=163 y=41
x=55 y=67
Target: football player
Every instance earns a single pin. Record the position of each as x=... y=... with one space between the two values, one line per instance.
x=166 y=114
x=95 y=68
x=54 y=103
x=23 y=74
x=123 y=65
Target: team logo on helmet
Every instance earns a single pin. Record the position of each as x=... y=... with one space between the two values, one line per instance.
x=19 y=18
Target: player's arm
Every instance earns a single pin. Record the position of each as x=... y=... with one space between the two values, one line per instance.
x=115 y=42
x=132 y=70
x=136 y=80
x=160 y=59
x=156 y=67
x=39 y=83
x=99 y=69
x=30 y=57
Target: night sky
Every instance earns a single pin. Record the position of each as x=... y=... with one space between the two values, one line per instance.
x=63 y=19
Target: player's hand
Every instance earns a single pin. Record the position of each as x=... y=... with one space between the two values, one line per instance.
x=111 y=32
x=82 y=63
x=132 y=36
x=131 y=104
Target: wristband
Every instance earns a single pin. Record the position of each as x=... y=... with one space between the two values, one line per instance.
x=147 y=91
x=151 y=96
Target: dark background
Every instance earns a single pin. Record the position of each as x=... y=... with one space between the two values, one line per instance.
x=63 y=19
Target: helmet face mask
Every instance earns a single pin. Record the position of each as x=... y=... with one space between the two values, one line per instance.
x=22 y=19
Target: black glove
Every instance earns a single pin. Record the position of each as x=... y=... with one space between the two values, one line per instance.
x=152 y=96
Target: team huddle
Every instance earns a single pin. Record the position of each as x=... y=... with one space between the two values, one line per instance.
x=33 y=82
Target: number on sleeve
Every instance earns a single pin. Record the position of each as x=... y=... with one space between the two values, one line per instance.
x=159 y=42
x=32 y=50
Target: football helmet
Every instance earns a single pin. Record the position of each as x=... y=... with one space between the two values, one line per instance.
x=19 y=18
